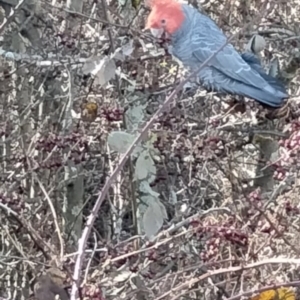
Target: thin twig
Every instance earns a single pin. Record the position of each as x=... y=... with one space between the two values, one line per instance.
x=10 y=17
x=265 y=288
x=112 y=44
x=76 y=13
x=54 y=217
x=184 y=286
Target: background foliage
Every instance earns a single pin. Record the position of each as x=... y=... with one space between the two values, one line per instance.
x=206 y=206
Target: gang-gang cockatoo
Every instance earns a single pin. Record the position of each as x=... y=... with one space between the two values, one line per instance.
x=194 y=37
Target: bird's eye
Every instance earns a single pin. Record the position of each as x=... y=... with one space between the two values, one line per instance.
x=163 y=21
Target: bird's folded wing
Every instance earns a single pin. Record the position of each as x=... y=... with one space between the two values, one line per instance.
x=228 y=61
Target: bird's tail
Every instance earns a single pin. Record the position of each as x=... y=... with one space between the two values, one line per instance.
x=272 y=95
x=272 y=99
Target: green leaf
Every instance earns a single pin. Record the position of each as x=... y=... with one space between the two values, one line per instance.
x=153 y=218
x=145 y=168
x=135 y=116
x=120 y=141
x=146 y=189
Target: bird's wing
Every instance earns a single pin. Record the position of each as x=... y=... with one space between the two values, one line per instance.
x=254 y=62
x=207 y=39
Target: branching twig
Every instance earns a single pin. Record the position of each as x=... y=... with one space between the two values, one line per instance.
x=11 y=15
x=185 y=285
x=54 y=217
x=270 y=287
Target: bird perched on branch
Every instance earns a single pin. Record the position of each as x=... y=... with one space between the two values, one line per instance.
x=47 y=288
x=194 y=37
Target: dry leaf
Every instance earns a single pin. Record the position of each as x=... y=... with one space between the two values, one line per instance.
x=89 y=111
x=279 y=294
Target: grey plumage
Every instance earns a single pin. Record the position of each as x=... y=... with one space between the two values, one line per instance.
x=47 y=289
x=199 y=37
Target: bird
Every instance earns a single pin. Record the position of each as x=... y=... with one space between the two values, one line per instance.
x=47 y=289
x=194 y=37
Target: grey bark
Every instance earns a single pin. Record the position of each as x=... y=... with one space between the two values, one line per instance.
x=268 y=152
x=73 y=174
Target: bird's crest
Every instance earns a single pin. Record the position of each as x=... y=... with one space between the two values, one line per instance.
x=158 y=3
x=168 y=12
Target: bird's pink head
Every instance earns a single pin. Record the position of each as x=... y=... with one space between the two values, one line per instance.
x=166 y=16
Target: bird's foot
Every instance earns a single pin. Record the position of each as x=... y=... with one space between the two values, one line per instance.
x=189 y=89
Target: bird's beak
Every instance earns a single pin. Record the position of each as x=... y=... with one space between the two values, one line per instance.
x=157 y=33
